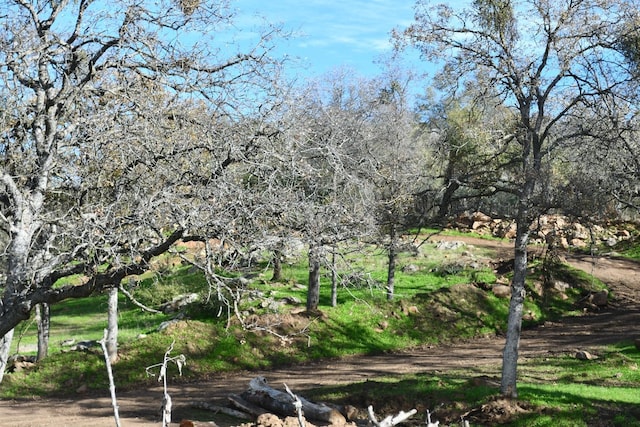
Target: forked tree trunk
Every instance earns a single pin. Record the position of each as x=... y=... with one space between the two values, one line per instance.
x=43 y=320
x=313 y=291
x=112 y=325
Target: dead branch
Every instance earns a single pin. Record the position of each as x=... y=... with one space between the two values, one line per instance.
x=112 y=385
x=392 y=421
x=298 y=405
x=136 y=302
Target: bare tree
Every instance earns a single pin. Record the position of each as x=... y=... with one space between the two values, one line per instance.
x=313 y=178
x=547 y=61
x=114 y=126
x=393 y=165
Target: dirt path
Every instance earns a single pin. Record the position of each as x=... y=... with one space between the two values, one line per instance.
x=621 y=321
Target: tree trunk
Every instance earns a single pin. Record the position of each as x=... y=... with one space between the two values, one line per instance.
x=313 y=291
x=514 y=325
x=391 y=267
x=43 y=319
x=15 y=286
x=508 y=386
x=277 y=266
x=444 y=207
x=112 y=325
x=260 y=393
x=5 y=348
x=334 y=279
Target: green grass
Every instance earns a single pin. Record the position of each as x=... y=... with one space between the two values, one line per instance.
x=553 y=391
x=437 y=300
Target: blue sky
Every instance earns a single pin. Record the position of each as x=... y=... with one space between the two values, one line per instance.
x=332 y=33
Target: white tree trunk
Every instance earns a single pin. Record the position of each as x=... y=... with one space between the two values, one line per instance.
x=43 y=319
x=112 y=325
x=5 y=348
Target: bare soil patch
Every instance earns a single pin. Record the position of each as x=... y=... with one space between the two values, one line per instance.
x=618 y=322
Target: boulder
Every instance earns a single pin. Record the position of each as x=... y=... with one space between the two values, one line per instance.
x=178 y=303
x=578 y=243
x=600 y=299
x=501 y=291
x=584 y=355
x=480 y=217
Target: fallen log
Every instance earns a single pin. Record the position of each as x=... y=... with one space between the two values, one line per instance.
x=281 y=403
x=248 y=407
x=220 y=409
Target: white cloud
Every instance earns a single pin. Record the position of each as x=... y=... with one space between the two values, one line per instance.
x=334 y=32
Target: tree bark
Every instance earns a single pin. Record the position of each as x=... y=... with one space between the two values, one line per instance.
x=5 y=347
x=43 y=319
x=313 y=291
x=17 y=277
x=334 y=279
x=111 y=343
x=508 y=386
x=277 y=266
x=261 y=394
x=391 y=267
x=452 y=186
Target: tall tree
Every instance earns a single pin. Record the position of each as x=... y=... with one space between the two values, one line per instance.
x=100 y=168
x=394 y=156
x=547 y=61
x=313 y=177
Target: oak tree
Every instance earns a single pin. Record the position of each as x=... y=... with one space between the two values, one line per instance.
x=547 y=61
x=114 y=132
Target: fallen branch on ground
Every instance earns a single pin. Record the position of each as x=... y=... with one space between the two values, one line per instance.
x=112 y=385
x=391 y=421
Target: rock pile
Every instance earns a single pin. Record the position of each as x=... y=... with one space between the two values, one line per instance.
x=556 y=229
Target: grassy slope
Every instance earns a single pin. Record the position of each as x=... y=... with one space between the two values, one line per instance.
x=433 y=305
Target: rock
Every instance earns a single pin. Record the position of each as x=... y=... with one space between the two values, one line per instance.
x=625 y=234
x=410 y=268
x=584 y=355
x=578 y=243
x=268 y=420
x=537 y=288
x=560 y=286
x=19 y=363
x=350 y=412
x=178 y=303
x=611 y=242
x=187 y=423
x=445 y=245
x=600 y=299
x=563 y=243
x=480 y=217
x=501 y=291
x=478 y=225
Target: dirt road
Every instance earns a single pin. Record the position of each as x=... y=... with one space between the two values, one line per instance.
x=621 y=321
